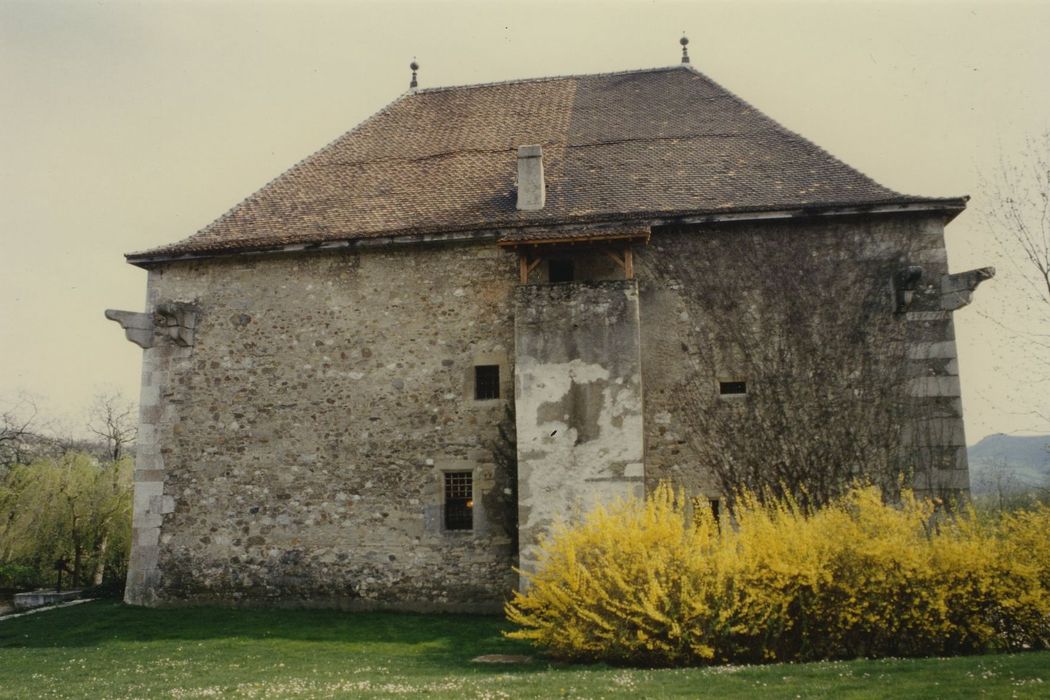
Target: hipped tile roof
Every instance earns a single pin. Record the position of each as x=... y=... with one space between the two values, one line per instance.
x=651 y=143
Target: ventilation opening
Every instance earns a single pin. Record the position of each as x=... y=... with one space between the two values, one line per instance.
x=486 y=382
x=714 y=506
x=560 y=271
x=459 y=501
x=732 y=388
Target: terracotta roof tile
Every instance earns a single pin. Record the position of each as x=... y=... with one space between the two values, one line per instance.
x=655 y=142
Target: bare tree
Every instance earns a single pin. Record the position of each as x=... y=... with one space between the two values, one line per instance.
x=1017 y=211
x=17 y=431
x=112 y=418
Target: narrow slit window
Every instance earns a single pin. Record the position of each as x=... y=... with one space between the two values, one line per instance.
x=738 y=388
x=561 y=271
x=459 y=501
x=486 y=382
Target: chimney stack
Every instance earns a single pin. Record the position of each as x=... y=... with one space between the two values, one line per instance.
x=532 y=192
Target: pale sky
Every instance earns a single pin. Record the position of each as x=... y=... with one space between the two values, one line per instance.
x=125 y=125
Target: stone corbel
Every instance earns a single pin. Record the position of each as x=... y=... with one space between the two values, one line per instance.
x=177 y=320
x=138 y=327
x=957 y=290
x=174 y=320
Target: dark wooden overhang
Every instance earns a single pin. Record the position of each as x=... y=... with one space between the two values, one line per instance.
x=533 y=244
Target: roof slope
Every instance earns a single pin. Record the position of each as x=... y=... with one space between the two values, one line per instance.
x=661 y=142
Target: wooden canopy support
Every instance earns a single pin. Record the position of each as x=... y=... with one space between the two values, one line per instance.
x=534 y=246
x=525 y=266
x=626 y=261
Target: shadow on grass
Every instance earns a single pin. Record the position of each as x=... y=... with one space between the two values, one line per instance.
x=457 y=638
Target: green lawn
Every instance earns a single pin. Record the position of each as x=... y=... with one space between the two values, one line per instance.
x=107 y=650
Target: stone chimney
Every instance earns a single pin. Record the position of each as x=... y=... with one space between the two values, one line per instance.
x=532 y=192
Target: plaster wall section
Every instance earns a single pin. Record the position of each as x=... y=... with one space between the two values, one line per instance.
x=578 y=397
x=295 y=454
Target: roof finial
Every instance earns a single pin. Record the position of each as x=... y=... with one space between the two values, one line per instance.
x=414 y=66
x=684 y=41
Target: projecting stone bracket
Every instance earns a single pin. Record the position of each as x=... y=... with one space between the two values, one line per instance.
x=957 y=290
x=138 y=327
x=174 y=320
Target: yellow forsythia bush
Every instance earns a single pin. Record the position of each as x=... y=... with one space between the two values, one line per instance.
x=648 y=583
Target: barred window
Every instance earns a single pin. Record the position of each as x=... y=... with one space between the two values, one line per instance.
x=486 y=382
x=459 y=501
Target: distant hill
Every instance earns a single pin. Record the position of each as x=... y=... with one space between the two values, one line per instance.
x=1012 y=462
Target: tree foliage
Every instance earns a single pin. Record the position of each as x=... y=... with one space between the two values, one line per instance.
x=73 y=508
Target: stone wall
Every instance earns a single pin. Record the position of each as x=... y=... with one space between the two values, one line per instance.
x=682 y=366
x=294 y=454
x=296 y=429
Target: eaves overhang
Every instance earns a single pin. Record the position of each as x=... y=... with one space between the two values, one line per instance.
x=504 y=235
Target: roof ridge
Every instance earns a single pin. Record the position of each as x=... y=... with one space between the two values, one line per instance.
x=549 y=78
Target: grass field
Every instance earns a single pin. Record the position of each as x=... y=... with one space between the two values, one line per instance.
x=107 y=650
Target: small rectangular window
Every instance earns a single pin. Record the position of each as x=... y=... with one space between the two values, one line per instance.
x=486 y=382
x=732 y=388
x=459 y=501
x=713 y=505
x=560 y=271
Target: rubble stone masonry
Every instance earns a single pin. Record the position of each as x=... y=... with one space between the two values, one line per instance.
x=294 y=454
x=299 y=411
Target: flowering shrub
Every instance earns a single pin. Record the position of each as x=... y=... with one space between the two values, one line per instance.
x=646 y=583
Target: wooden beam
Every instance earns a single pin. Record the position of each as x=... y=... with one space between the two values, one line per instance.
x=616 y=258
x=573 y=240
x=628 y=262
x=525 y=267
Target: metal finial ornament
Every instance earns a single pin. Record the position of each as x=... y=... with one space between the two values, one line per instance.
x=414 y=66
x=684 y=41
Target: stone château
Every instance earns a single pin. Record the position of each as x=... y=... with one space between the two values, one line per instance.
x=379 y=378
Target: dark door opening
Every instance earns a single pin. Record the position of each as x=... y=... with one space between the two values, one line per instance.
x=560 y=271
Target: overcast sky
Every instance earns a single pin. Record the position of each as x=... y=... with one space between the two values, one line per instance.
x=125 y=125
